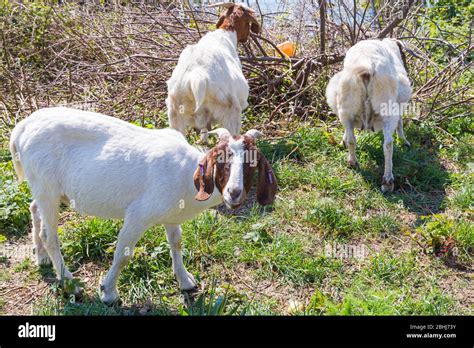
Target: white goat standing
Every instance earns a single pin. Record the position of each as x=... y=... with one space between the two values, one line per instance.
x=106 y=167
x=208 y=86
x=370 y=93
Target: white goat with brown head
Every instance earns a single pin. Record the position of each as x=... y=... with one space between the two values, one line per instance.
x=207 y=86
x=102 y=166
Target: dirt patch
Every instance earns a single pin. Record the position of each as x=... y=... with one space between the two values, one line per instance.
x=285 y=296
x=459 y=286
x=22 y=282
x=19 y=288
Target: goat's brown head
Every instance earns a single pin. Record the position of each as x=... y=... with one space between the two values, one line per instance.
x=238 y=18
x=230 y=166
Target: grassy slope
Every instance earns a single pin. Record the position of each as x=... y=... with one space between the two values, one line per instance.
x=331 y=244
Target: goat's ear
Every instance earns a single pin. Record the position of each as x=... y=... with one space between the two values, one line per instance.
x=254 y=24
x=401 y=48
x=229 y=11
x=267 y=183
x=255 y=27
x=220 y=21
x=204 y=178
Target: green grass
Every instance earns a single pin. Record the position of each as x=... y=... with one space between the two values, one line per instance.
x=23 y=266
x=89 y=239
x=259 y=260
x=14 y=211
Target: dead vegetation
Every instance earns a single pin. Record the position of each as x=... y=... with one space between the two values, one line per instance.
x=116 y=59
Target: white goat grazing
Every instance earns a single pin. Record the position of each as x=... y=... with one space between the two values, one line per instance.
x=106 y=167
x=370 y=93
x=208 y=86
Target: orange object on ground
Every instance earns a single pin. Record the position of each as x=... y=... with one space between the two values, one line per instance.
x=288 y=48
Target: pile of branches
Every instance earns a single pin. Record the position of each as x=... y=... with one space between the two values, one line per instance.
x=115 y=58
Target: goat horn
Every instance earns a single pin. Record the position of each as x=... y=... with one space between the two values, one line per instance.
x=406 y=48
x=254 y=133
x=222 y=4
x=222 y=133
x=230 y=4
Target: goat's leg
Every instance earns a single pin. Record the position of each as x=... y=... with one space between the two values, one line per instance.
x=185 y=279
x=48 y=209
x=41 y=254
x=349 y=140
x=390 y=123
x=131 y=232
x=201 y=124
x=204 y=137
x=401 y=133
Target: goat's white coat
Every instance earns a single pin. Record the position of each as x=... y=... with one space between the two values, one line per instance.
x=106 y=167
x=208 y=86
x=377 y=103
x=236 y=178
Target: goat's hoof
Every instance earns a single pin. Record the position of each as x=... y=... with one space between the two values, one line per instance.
x=76 y=295
x=187 y=281
x=387 y=185
x=353 y=163
x=203 y=139
x=112 y=301
x=72 y=289
x=42 y=259
x=189 y=288
x=190 y=295
x=192 y=291
x=202 y=142
x=41 y=255
x=78 y=291
x=343 y=144
x=117 y=302
x=109 y=297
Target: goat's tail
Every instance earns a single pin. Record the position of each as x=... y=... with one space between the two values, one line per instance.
x=16 y=155
x=364 y=76
x=355 y=81
x=364 y=73
x=198 y=88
